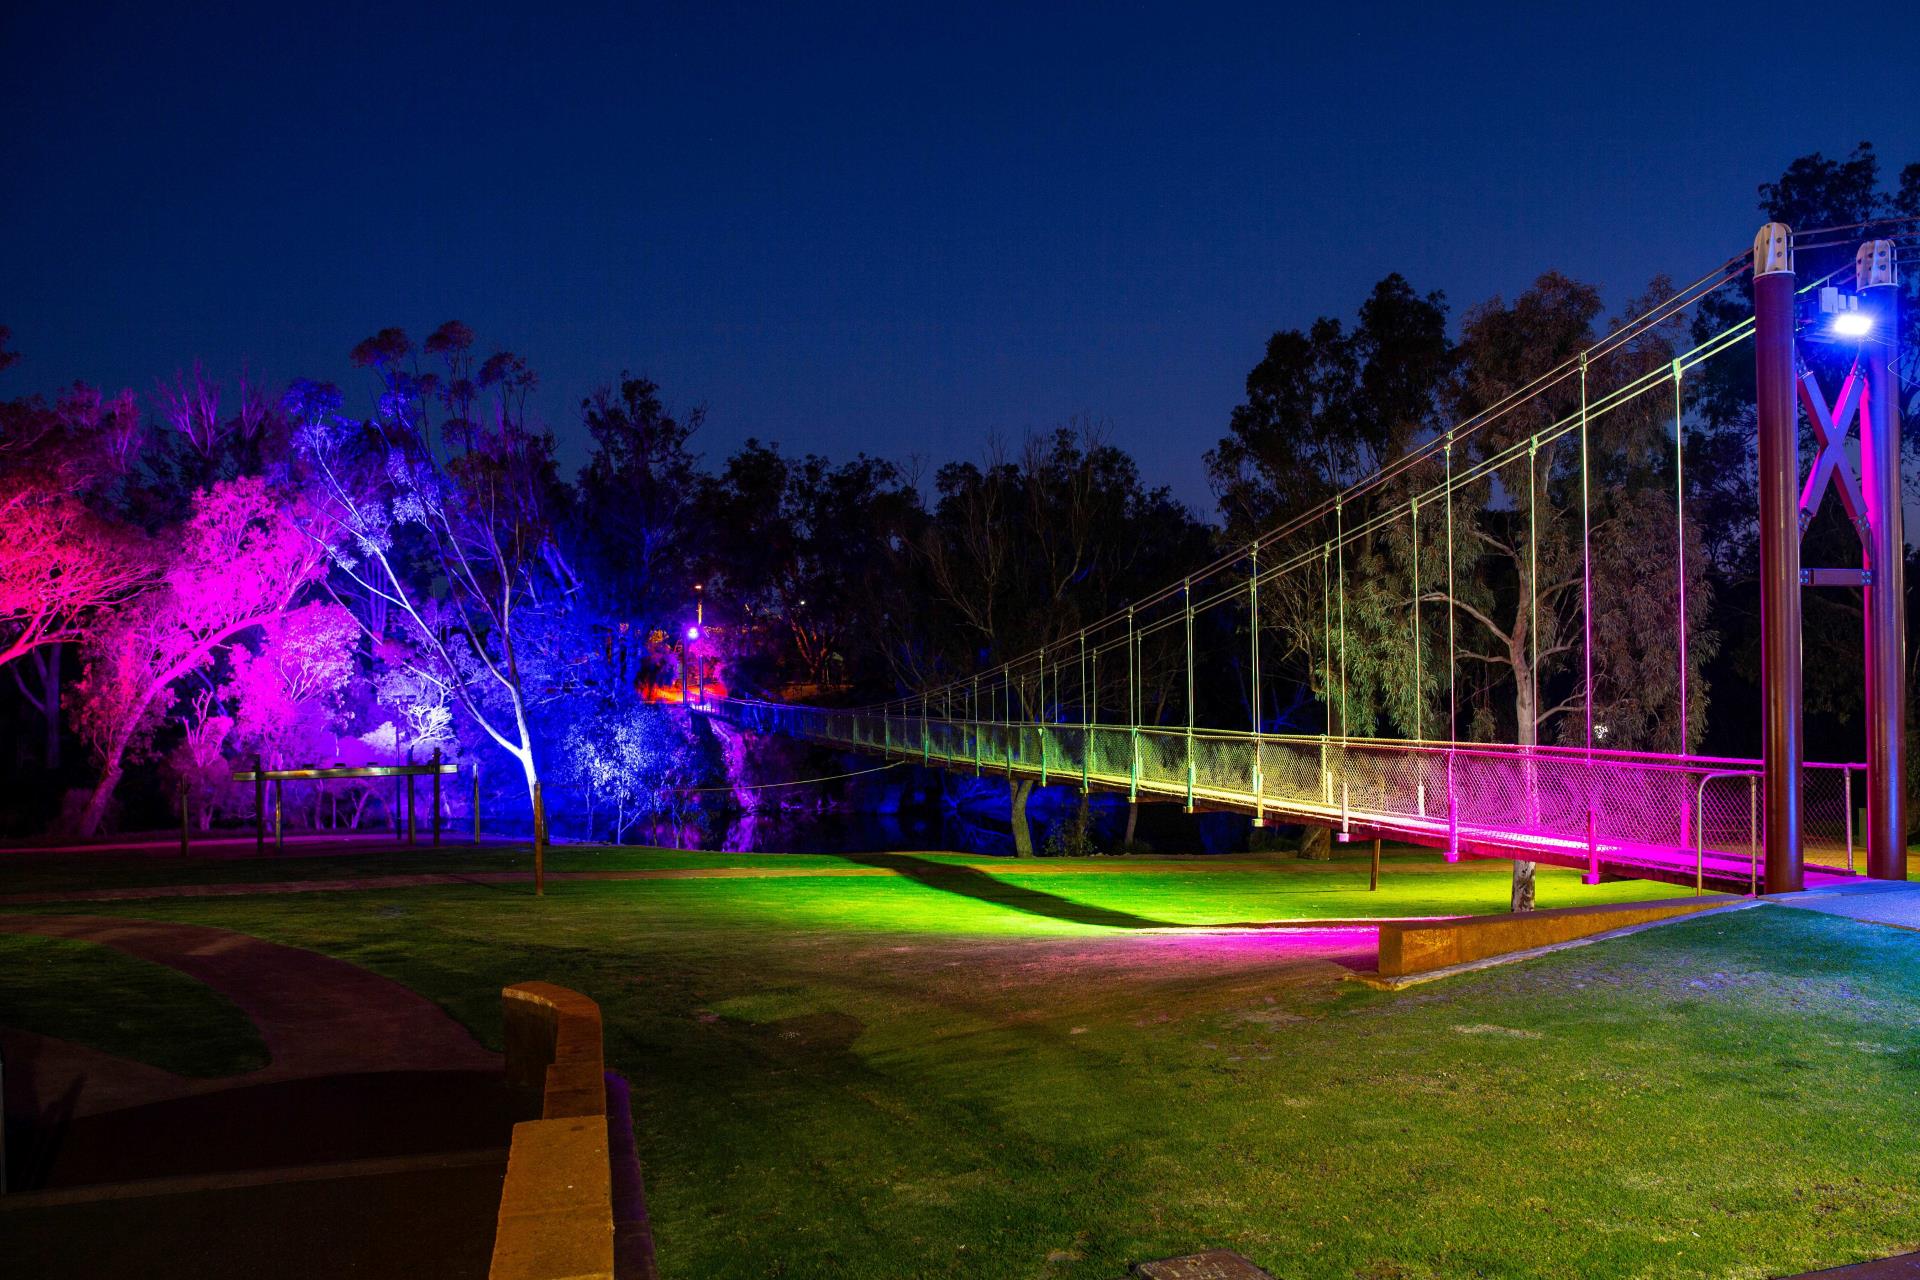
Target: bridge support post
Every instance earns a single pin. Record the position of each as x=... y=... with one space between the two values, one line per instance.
x=1876 y=279
x=1781 y=733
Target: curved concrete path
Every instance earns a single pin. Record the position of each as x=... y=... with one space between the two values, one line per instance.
x=317 y=1016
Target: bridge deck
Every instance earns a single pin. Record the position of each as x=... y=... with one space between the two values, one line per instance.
x=1681 y=820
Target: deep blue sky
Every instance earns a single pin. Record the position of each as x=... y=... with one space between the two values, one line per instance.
x=891 y=228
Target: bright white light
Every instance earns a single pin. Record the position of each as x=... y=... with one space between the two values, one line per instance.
x=693 y=633
x=1853 y=324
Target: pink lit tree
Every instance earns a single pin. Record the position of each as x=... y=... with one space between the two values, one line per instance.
x=287 y=689
x=242 y=560
x=62 y=562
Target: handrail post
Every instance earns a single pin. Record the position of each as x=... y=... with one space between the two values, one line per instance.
x=1187 y=597
x=1593 y=850
x=184 y=821
x=976 y=726
x=259 y=805
x=1453 y=810
x=1259 y=786
x=436 y=797
x=476 y=801
x=1133 y=713
x=1699 y=836
x=1253 y=643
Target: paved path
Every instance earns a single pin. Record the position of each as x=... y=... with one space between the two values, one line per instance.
x=317 y=1016
x=1891 y=902
x=1904 y=1267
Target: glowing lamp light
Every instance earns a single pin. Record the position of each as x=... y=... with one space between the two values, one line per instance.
x=1853 y=324
x=693 y=633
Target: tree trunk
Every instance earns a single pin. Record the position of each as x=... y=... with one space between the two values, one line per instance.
x=1021 y=789
x=96 y=810
x=1522 y=886
x=1316 y=843
x=50 y=702
x=45 y=664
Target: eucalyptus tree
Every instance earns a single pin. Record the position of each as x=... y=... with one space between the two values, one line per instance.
x=1021 y=551
x=1325 y=408
x=451 y=551
x=814 y=552
x=241 y=560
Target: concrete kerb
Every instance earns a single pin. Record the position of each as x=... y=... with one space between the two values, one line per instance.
x=1383 y=983
x=556 y=1219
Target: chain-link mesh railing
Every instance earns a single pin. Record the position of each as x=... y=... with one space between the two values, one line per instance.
x=1621 y=809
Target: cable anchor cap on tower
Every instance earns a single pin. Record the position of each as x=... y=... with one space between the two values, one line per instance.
x=1773 y=250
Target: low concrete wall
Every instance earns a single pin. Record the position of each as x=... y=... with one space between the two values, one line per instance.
x=556 y=1209
x=1439 y=944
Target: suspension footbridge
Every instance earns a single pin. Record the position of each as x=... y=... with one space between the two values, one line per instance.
x=1502 y=524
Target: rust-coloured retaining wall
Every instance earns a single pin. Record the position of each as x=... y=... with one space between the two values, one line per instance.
x=556 y=1209
x=1439 y=944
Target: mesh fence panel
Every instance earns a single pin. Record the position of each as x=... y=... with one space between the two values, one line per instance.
x=1293 y=773
x=1829 y=796
x=1224 y=766
x=1113 y=755
x=1162 y=761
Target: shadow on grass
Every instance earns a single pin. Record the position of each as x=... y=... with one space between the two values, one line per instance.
x=969 y=882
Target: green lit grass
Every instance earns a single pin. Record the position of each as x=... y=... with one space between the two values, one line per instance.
x=119 y=1004
x=928 y=1075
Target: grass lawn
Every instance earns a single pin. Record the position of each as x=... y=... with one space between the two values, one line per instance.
x=951 y=1072
x=119 y=1004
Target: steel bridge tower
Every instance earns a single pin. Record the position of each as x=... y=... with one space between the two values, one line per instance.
x=1873 y=501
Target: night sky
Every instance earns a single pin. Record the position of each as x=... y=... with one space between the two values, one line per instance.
x=893 y=228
